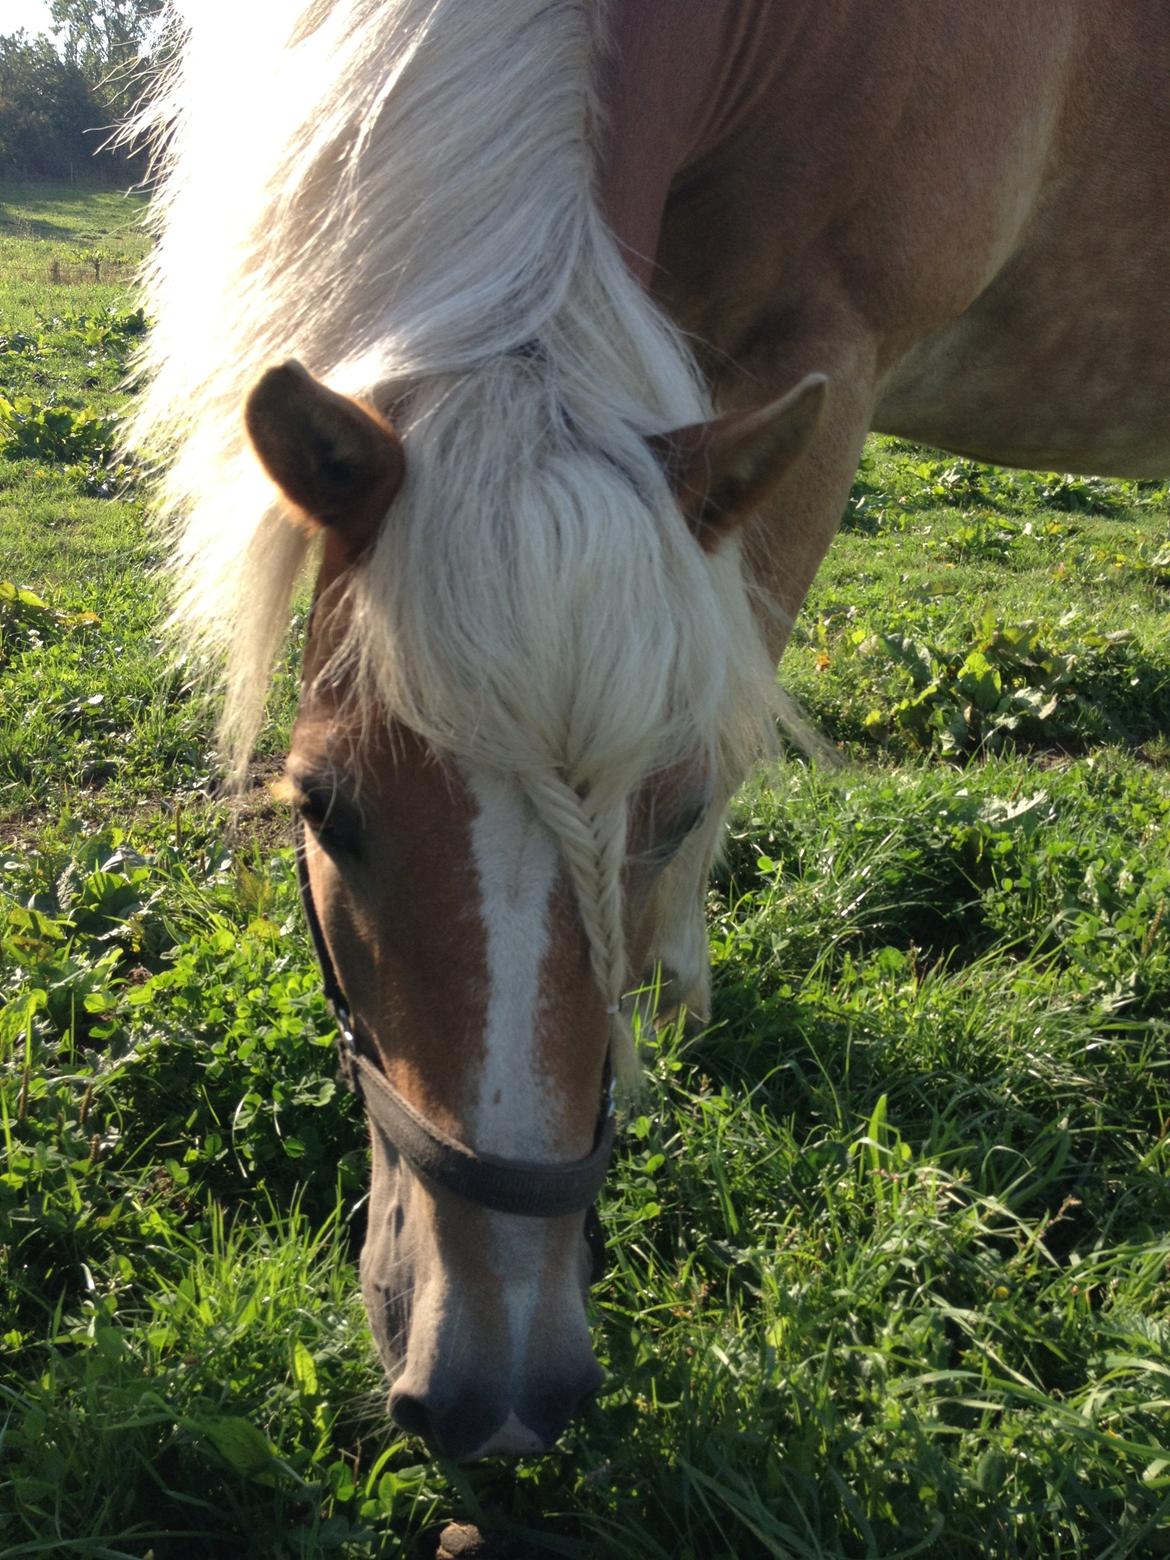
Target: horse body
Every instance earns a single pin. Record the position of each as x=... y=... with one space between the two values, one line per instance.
x=549 y=603
x=958 y=216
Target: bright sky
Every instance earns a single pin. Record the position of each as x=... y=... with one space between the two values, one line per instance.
x=31 y=15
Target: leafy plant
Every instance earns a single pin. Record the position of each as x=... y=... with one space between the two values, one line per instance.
x=111 y=328
x=29 y=623
x=20 y=344
x=982 y=538
x=31 y=431
x=95 y=259
x=1006 y=683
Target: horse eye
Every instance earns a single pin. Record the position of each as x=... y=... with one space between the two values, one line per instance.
x=688 y=823
x=675 y=833
x=333 y=821
x=314 y=808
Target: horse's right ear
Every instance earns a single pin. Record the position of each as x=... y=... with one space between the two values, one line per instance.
x=338 y=462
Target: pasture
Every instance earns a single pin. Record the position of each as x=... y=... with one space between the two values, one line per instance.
x=889 y=1251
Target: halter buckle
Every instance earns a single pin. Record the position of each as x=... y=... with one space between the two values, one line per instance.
x=347 y=1050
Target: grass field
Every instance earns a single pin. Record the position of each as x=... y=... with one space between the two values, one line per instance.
x=890 y=1242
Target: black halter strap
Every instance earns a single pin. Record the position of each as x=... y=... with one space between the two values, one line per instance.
x=538 y=1191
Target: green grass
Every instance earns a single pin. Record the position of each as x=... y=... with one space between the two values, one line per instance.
x=64 y=248
x=890 y=1270
x=1004 y=605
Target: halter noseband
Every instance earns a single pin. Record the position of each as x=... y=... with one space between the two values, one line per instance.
x=515 y=1186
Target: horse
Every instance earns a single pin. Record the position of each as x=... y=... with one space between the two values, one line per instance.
x=547 y=334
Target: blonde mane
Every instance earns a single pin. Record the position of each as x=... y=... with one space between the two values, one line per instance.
x=402 y=195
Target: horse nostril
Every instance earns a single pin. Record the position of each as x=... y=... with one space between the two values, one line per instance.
x=547 y=1413
x=410 y=1414
x=454 y=1426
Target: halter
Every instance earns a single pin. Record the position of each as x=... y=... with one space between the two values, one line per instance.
x=515 y=1186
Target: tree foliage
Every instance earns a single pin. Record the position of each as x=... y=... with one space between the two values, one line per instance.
x=107 y=41
x=49 y=113
x=59 y=104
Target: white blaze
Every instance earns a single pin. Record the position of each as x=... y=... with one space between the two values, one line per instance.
x=516 y=860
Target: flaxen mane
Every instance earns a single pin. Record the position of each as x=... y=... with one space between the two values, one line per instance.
x=402 y=195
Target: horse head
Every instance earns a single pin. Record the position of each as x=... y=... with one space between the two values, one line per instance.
x=477 y=924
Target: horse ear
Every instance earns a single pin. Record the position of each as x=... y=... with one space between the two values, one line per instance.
x=724 y=470
x=337 y=461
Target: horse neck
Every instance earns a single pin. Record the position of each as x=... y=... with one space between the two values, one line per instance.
x=675 y=81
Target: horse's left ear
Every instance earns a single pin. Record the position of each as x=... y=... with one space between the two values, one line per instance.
x=724 y=470
x=337 y=461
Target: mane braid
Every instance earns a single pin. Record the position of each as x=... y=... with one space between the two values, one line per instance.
x=400 y=193
x=594 y=847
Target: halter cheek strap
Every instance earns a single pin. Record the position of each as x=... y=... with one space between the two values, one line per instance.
x=515 y=1186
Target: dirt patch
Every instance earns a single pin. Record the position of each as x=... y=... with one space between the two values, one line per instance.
x=253 y=817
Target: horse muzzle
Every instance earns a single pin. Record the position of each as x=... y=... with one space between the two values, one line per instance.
x=479 y=1317
x=468 y=1422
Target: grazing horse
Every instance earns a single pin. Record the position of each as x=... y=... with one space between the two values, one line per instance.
x=596 y=303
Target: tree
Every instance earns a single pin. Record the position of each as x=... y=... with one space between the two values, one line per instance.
x=58 y=105
x=106 y=40
x=49 y=113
